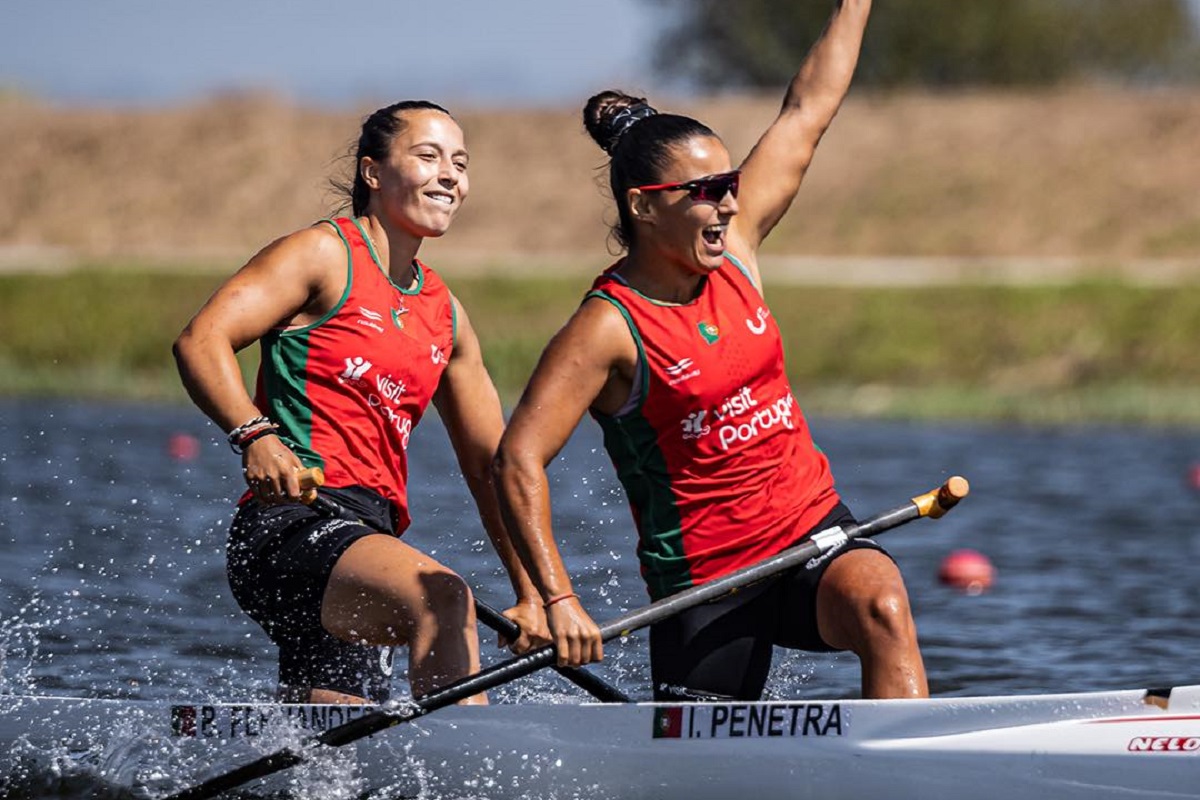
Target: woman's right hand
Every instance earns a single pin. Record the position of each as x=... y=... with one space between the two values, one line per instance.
x=576 y=637
x=271 y=468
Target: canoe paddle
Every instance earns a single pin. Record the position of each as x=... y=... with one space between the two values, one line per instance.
x=932 y=504
x=591 y=683
x=313 y=478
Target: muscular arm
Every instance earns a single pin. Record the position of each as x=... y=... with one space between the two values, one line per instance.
x=294 y=279
x=469 y=407
x=593 y=351
x=772 y=173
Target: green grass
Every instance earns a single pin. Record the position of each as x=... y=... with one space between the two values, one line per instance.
x=1099 y=351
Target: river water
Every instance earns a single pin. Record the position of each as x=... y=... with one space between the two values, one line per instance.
x=113 y=585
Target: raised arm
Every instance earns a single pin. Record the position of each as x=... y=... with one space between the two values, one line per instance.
x=586 y=358
x=772 y=173
x=469 y=407
x=288 y=282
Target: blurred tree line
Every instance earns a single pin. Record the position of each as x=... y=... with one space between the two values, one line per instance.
x=759 y=43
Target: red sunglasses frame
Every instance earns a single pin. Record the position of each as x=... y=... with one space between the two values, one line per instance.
x=699 y=188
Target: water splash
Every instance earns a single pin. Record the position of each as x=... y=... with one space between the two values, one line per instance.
x=20 y=643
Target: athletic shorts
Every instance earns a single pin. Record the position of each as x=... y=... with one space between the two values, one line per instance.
x=278 y=560
x=722 y=649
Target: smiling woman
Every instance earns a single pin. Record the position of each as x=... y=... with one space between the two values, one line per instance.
x=675 y=352
x=358 y=336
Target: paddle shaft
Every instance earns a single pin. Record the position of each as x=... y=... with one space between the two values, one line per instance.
x=594 y=685
x=597 y=687
x=931 y=504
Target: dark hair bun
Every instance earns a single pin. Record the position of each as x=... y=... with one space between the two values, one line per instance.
x=610 y=113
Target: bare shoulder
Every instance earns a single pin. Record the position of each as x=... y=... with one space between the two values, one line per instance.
x=318 y=247
x=589 y=362
x=466 y=342
x=599 y=328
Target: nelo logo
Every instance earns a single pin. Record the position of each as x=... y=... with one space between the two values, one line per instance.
x=1164 y=744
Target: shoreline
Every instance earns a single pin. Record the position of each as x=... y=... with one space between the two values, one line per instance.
x=781 y=269
x=1103 y=351
x=1114 y=405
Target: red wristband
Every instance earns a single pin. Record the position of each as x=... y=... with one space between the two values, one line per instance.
x=557 y=598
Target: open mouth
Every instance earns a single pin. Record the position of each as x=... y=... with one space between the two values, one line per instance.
x=441 y=197
x=714 y=235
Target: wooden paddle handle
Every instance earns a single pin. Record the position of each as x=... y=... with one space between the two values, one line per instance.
x=937 y=502
x=310 y=479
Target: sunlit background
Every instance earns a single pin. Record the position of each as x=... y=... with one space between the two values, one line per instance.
x=993 y=269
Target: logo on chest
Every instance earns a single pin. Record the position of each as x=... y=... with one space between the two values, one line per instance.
x=384 y=394
x=740 y=418
x=355 y=369
x=680 y=371
x=693 y=425
x=709 y=332
x=758 y=325
x=369 y=319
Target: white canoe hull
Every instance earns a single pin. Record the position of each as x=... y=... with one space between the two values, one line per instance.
x=1095 y=745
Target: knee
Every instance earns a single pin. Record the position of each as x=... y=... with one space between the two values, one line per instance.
x=885 y=616
x=448 y=599
x=867 y=621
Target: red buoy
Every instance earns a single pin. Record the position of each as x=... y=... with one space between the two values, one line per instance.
x=967 y=570
x=183 y=447
x=1194 y=476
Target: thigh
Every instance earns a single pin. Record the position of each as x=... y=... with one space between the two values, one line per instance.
x=279 y=560
x=807 y=596
x=719 y=650
x=381 y=586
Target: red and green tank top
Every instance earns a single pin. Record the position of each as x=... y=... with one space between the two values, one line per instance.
x=713 y=451
x=348 y=389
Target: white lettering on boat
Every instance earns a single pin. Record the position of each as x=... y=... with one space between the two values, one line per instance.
x=749 y=720
x=1164 y=744
x=240 y=722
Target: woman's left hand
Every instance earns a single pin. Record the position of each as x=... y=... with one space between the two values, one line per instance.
x=535 y=633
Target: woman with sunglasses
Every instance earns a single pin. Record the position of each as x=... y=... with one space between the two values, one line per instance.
x=675 y=352
x=357 y=337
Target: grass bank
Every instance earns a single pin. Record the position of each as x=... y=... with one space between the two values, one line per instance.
x=1101 y=351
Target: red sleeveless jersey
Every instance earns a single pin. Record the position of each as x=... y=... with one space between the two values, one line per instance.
x=347 y=390
x=713 y=451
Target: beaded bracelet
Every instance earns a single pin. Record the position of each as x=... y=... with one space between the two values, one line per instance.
x=242 y=435
x=254 y=435
x=241 y=430
x=558 y=598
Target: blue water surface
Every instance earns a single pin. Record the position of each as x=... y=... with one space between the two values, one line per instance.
x=112 y=566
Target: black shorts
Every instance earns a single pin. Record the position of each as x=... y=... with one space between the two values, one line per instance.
x=722 y=649
x=278 y=560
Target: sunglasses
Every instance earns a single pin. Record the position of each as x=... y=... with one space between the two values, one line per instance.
x=712 y=189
